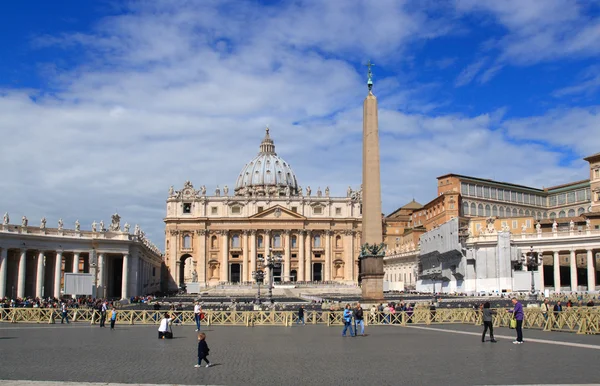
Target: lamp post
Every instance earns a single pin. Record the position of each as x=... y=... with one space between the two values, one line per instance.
x=270 y=262
x=259 y=277
x=531 y=259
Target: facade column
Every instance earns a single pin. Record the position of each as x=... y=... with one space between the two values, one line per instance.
x=556 y=271
x=21 y=279
x=3 y=264
x=541 y=272
x=300 y=256
x=349 y=255
x=591 y=271
x=286 y=256
x=135 y=277
x=57 y=273
x=252 y=267
x=573 y=264
x=125 y=277
x=245 y=269
x=308 y=258
x=327 y=234
x=101 y=288
x=76 y=262
x=267 y=253
x=39 y=279
x=201 y=266
x=225 y=257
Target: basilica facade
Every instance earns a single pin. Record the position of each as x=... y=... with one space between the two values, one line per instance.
x=222 y=236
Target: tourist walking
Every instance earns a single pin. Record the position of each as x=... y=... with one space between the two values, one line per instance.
x=545 y=308
x=113 y=318
x=359 y=320
x=347 y=320
x=64 y=313
x=103 y=309
x=518 y=315
x=203 y=350
x=488 y=322
x=300 y=315
x=197 y=314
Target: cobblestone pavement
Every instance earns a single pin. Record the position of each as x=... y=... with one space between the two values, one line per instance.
x=310 y=355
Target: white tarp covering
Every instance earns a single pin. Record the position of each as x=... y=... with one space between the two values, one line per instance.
x=79 y=283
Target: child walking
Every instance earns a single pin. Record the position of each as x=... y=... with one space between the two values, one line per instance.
x=113 y=318
x=202 y=350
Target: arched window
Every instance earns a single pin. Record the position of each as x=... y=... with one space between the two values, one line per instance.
x=495 y=211
x=235 y=241
x=260 y=242
x=213 y=242
x=488 y=211
x=465 y=206
x=473 y=211
x=187 y=242
x=571 y=212
x=277 y=240
x=527 y=213
x=294 y=241
x=561 y=214
x=545 y=215
x=580 y=211
x=521 y=212
x=514 y=212
x=501 y=211
x=317 y=239
x=338 y=241
x=552 y=215
x=480 y=210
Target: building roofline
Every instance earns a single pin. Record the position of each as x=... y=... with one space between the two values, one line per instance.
x=492 y=181
x=567 y=185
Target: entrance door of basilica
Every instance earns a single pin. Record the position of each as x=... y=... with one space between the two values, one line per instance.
x=235 y=273
x=317 y=272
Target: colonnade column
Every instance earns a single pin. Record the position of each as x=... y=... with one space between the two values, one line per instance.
x=57 y=272
x=591 y=271
x=39 y=277
x=76 y=262
x=21 y=279
x=301 y=255
x=225 y=257
x=327 y=255
x=541 y=271
x=308 y=257
x=245 y=268
x=125 y=280
x=252 y=267
x=286 y=256
x=101 y=288
x=3 y=264
x=136 y=270
x=573 y=264
x=556 y=271
x=267 y=253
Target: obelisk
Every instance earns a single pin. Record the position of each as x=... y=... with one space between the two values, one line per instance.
x=371 y=257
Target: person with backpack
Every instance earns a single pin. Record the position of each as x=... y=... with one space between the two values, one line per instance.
x=487 y=322
x=301 y=315
x=359 y=320
x=347 y=320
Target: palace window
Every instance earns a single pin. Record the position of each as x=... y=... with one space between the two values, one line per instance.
x=515 y=224
x=553 y=200
x=295 y=209
x=519 y=197
x=472 y=190
x=552 y=215
x=465 y=209
x=526 y=198
x=521 y=212
x=581 y=195
x=486 y=192
x=153 y=271
x=294 y=241
x=562 y=199
x=513 y=196
x=480 y=210
x=488 y=212
x=473 y=211
x=187 y=242
x=213 y=242
x=236 y=210
x=260 y=242
x=338 y=211
x=235 y=241
x=214 y=210
x=464 y=189
x=580 y=211
x=493 y=193
x=294 y=256
x=494 y=211
x=317 y=210
x=514 y=212
x=571 y=197
x=259 y=209
x=500 y=194
x=596 y=173
x=561 y=214
x=501 y=212
x=317 y=239
x=276 y=240
x=479 y=191
x=571 y=212
x=187 y=208
x=338 y=241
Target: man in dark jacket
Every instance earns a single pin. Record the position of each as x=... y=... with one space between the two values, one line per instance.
x=301 y=315
x=359 y=320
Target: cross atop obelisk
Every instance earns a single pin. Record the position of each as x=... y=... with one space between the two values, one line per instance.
x=371 y=257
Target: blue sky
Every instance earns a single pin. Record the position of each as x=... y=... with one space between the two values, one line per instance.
x=104 y=105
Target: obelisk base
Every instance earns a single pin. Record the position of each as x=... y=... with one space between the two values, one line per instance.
x=371 y=278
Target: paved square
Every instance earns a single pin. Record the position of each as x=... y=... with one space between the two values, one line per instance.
x=310 y=355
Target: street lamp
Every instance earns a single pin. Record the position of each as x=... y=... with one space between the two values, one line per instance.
x=270 y=262
x=259 y=277
x=532 y=259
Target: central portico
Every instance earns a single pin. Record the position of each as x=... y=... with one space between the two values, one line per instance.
x=217 y=238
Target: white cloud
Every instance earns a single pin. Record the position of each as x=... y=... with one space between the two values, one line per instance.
x=470 y=72
x=171 y=91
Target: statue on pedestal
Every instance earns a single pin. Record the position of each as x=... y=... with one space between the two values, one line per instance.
x=588 y=224
x=538 y=228
x=60 y=224
x=203 y=190
x=77 y=225
x=6 y=218
x=94 y=226
x=171 y=191
x=571 y=225
x=126 y=227
x=308 y=191
x=43 y=223
x=327 y=191
x=115 y=224
x=225 y=190
x=319 y=193
x=524 y=228
x=218 y=191
x=24 y=221
x=287 y=191
x=194 y=276
x=102 y=226
x=136 y=230
x=300 y=191
x=554 y=226
x=349 y=191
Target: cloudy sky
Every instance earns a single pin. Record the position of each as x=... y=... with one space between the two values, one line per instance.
x=104 y=105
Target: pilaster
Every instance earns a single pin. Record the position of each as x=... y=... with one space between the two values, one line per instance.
x=301 y=248
x=573 y=265
x=39 y=280
x=22 y=272
x=3 y=264
x=286 y=256
x=591 y=271
x=224 y=277
x=556 y=271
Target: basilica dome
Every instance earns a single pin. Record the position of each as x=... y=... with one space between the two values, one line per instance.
x=266 y=174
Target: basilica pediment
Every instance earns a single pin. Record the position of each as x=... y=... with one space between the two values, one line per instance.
x=278 y=213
